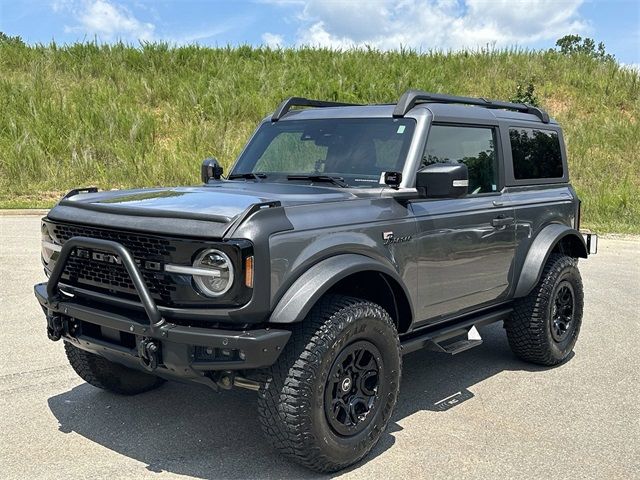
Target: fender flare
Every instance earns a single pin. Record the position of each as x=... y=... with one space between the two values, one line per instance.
x=303 y=294
x=539 y=252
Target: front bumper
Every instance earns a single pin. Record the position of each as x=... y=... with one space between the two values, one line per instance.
x=148 y=342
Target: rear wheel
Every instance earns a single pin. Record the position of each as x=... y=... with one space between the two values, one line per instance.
x=328 y=399
x=102 y=373
x=545 y=325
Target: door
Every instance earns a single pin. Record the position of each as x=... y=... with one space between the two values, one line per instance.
x=465 y=245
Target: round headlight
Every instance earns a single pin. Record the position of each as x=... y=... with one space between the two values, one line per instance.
x=220 y=277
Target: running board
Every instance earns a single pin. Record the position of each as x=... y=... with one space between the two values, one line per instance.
x=447 y=339
x=472 y=339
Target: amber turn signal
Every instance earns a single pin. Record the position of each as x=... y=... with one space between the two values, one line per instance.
x=248 y=272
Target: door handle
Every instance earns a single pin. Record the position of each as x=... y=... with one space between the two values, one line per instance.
x=502 y=221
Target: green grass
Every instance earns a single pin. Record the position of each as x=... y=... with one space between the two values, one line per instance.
x=117 y=116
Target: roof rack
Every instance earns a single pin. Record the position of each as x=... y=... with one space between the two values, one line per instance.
x=411 y=98
x=286 y=105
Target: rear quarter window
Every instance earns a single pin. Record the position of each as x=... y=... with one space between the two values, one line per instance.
x=536 y=154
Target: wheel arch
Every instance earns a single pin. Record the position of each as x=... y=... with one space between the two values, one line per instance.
x=348 y=274
x=552 y=238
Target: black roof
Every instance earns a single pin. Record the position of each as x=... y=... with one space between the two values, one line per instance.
x=411 y=98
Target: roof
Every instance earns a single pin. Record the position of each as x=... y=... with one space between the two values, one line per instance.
x=442 y=107
x=440 y=112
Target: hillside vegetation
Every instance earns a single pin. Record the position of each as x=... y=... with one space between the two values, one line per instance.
x=118 y=116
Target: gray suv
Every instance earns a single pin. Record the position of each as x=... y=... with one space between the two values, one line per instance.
x=344 y=237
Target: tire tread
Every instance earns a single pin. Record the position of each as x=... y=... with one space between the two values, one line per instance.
x=283 y=410
x=527 y=328
x=107 y=375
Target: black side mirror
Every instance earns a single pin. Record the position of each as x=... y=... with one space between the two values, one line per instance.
x=443 y=180
x=210 y=169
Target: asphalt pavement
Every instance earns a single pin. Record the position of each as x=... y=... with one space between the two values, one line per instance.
x=480 y=414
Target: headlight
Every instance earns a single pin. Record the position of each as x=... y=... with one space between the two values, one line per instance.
x=49 y=246
x=217 y=277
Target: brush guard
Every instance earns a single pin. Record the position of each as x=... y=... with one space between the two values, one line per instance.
x=173 y=351
x=58 y=325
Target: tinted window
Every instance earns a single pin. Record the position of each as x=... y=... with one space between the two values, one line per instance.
x=358 y=150
x=286 y=153
x=475 y=147
x=536 y=153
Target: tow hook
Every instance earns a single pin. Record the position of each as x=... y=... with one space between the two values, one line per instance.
x=55 y=327
x=149 y=352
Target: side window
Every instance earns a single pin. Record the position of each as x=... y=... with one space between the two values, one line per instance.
x=473 y=146
x=536 y=153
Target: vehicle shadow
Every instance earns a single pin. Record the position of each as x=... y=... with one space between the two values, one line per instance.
x=191 y=430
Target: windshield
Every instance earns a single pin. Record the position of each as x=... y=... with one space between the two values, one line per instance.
x=356 y=151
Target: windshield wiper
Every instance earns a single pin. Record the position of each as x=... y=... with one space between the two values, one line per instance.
x=248 y=176
x=320 y=178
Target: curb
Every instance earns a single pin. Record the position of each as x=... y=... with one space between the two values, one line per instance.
x=15 y=212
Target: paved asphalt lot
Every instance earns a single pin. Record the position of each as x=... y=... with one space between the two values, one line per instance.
x=503 y=419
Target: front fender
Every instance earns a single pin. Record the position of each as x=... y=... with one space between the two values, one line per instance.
x=539 y=252
x=315 y=282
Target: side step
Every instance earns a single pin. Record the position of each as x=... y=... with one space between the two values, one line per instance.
x=454 y=337
x=473 y=340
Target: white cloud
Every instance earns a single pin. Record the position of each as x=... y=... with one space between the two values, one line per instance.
x=272 y=40
x=60 y=5
x=439 y=24
x=106 y=20
x=355 y=20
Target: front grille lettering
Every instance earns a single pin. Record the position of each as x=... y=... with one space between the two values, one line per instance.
x=115 y=260
x=106 y=257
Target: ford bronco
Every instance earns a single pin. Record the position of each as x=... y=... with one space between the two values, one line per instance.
x=343 y=237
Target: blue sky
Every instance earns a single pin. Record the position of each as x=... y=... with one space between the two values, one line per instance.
x=384 y=24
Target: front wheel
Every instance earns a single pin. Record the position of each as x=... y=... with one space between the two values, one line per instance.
x=545 y=324
x=107 y=375
x=329 y=397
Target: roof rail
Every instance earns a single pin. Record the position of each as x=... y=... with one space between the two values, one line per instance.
x=286 y=105
x=411 y=98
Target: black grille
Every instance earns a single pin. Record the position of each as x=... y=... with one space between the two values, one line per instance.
x=140 y=246
x=111 y=277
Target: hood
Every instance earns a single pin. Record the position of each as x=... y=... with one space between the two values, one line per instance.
x=217 y=203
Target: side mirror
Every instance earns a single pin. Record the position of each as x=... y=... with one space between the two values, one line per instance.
x=443 y=180
x=210 y=169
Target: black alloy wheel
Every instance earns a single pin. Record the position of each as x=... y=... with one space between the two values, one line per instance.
x=328 y=399
x=546 y=323
x=562 y=309
x=351 y=392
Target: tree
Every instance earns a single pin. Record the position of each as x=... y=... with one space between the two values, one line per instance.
x=8 y=39
x=576 y=45
x=525 y=93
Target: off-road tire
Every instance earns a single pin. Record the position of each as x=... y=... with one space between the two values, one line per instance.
x=102 y=373
x=291 y=402
x=529 y=330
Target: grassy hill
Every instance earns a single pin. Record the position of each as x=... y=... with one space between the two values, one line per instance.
x=117 y=116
